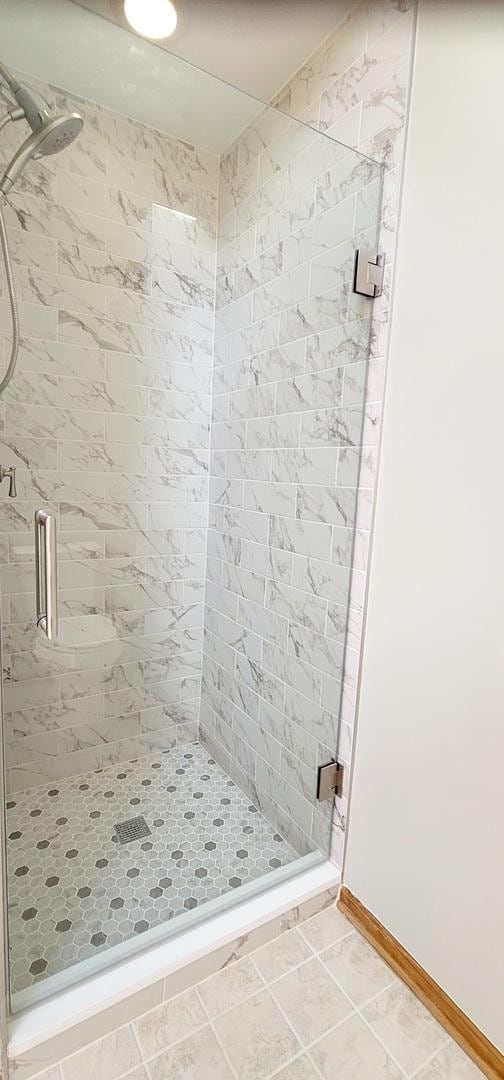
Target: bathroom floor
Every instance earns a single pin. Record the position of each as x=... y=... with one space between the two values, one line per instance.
x=314 y=1003
x=190 y=835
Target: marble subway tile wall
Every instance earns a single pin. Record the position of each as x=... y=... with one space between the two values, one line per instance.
x=107 y=422
x=291 y=344
x=355 y=88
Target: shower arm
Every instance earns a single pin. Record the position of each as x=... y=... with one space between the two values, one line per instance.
x=28 y=109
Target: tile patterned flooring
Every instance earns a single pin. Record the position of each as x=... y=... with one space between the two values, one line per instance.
x=74 y=890
x=314 y=1004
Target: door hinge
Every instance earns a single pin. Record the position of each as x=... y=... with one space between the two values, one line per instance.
x=368 y=272
x=329 y=780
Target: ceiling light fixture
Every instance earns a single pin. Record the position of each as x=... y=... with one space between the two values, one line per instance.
x=151 y=18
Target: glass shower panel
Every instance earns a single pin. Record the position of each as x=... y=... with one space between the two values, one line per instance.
x=188 y=404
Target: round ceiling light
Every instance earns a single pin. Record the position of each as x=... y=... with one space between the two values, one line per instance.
x=151 y=18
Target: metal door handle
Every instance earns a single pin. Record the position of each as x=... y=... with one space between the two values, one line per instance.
x=46 y=565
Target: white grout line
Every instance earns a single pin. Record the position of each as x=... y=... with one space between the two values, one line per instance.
x=430 y=1059
x=297 y=1037
x=305 y=1047
x=359 y=1013
x=226 y=1055
x=137 y=1041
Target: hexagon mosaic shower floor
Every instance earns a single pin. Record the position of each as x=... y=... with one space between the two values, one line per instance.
x=75 y=889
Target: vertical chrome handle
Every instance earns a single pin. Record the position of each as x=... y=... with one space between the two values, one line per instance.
x=46 y=565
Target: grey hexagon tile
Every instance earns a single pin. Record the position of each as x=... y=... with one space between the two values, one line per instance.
x=75 y=890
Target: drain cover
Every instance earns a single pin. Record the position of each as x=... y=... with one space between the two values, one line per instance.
x=134 y=829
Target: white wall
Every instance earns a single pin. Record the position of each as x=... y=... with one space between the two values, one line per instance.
x=426 y=851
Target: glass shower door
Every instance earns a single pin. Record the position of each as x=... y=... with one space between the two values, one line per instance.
x=188 y=408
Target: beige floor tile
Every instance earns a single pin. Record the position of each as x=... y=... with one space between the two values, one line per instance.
x=358 y=969
x=106 y=1059
x=279 y=956
x=351 y=1052
x=256 y=1037
x=197 y=1058
x=450 y=1064
x=53 y=1073
x=405 y=1027
x=137 y=1074
x=300 y=1069
x=326 y=928
x=174 y=1020
x=311 y=1000
x=230 y=987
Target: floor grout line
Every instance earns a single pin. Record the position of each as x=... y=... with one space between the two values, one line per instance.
x=224 y=1051
x=212 y=1025
x=305 y=1048
x=288 y=1022
x=137 y=1041
x=430 y=1059
x=359 y=1013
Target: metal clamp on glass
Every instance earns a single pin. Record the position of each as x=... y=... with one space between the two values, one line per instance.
x=46 y=573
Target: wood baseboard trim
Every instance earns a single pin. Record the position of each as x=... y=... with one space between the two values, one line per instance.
x=485 y=1055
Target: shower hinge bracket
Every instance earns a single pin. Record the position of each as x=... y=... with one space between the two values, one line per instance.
x=368 y=272
x=329 y=780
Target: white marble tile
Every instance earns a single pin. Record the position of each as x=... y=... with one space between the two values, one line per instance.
x=297 y=606
x=315 y=314
x=278 y=363
x=309 y=391
x=304 y=466
x=302 y=537
x=386 y=55
x=273 y=431
x=50 y=219
x=331 y=427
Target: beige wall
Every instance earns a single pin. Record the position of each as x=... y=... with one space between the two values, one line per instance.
x=425 y=849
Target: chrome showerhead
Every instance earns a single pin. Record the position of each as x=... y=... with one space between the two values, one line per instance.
x=54 y=134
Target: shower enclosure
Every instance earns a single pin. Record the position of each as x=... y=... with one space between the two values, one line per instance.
x=188 y=407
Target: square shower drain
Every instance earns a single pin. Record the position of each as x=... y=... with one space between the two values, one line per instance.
x=133 y=829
